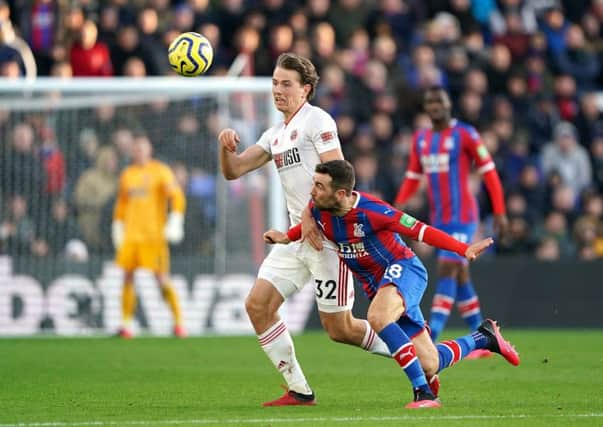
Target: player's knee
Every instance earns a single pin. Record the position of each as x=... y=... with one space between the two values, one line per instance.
x=377 y=320
x=253 y=307
x=448 y=269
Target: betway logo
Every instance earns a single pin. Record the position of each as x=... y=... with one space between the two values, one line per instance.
x=287 y=158
x=74 y=304
x=435 y=163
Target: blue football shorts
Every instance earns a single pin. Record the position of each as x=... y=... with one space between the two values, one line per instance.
x=410 y=278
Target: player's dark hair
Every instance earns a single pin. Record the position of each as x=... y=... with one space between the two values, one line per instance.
x=305 y=68
x=341 y=173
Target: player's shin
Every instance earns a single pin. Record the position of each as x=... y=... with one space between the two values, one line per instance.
x=170 y=296
x=453 y=351
x=278 y=346
x=404 y=353
x=128 y=305
x=468 y=305
x=442 y=303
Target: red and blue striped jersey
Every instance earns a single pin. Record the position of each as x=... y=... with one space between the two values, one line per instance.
x=367 y=237
x=446 y=159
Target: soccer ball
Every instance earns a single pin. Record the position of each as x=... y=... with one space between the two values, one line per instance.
x=190 y=54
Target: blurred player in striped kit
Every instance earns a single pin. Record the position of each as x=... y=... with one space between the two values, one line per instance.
x=445 y=154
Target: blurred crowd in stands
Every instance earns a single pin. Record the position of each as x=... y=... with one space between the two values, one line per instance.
x=528 y=74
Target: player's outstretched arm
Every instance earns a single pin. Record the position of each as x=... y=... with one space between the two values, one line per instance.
x=275 y=236
x=234 y=165
x=477 y=248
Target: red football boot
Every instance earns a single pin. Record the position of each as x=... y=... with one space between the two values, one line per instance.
x=497 y=342
x=423 y=399
x=480 y=353
x=179 y=331
x=125 y=334
x=293 y=398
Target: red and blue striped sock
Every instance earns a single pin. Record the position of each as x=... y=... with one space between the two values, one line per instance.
x=467 y=303
x=404 y=353
x=453 y=351
x=441 y=305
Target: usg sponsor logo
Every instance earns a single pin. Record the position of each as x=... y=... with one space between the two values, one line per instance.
x=287 y=158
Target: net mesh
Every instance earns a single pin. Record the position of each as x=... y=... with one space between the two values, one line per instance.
x=63 y=148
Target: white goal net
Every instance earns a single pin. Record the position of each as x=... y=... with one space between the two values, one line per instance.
x=64 y=143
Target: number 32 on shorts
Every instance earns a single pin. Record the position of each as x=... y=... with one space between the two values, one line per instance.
x=326 y=289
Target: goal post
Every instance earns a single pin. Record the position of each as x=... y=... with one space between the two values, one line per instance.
x=64 y=142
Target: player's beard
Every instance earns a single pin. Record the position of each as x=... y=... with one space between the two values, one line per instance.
x=330 y=205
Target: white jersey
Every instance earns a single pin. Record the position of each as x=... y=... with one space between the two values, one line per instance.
x=295 y=148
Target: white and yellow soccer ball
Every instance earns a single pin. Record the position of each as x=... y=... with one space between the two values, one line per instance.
x=190 y=54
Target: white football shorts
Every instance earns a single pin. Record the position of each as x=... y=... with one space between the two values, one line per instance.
x=290 y=267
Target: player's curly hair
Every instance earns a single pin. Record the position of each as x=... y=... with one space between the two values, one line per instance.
x=341 y=173
x=305 y=68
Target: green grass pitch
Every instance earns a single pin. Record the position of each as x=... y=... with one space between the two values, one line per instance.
x=222 y=381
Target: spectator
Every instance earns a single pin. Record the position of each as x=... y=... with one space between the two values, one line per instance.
x=590 y=119
x=13 y=48
x=577 y=60
x=514 y=37
x=40 y=22
x=548 y=249
x=17 y=228
x=57 y=229
x=555 y=226
x=566 y=156
x=518 y=239
x=135 y=68
x=10 y=69
x=347 y=16
x=150 y=39
x=533 y=192
x=462 y=10
x=22 y=169
x=370 y=179
x=499 y=68
x=88 y=56
x=541 y=120
x=539 y=77
x=81 y=156
x=128 y=45
x=554 y=25
x=596 y=151
x=93 y=190
x=53 y=161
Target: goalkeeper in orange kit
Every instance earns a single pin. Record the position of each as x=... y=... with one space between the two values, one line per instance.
x=142 y=228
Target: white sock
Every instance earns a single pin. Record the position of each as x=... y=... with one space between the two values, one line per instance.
x=373 y=343
x=278 y=346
